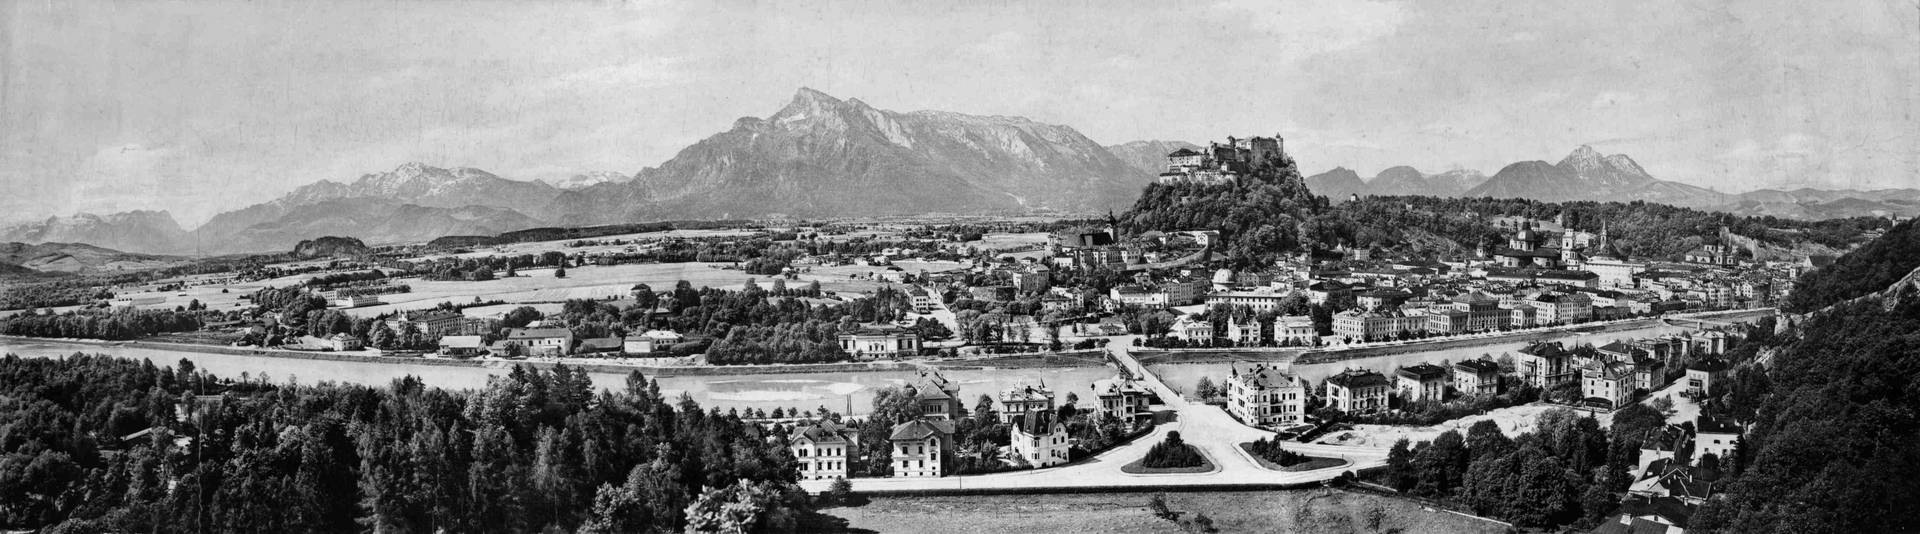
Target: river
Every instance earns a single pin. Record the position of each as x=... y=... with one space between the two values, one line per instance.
x=836 y=391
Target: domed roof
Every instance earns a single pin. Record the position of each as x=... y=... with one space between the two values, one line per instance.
x=1223 y=276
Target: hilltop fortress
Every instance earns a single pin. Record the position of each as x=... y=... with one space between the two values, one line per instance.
x=1222 y=163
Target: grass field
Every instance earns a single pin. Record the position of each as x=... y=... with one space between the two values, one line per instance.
x=1317 y=510
x=593 y=282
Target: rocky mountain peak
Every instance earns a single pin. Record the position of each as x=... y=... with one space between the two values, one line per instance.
x=1584 y=158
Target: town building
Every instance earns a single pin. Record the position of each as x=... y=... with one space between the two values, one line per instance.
x=1266 y=395
x=1544 y=365
x=1223 y=163
x=880 y=341
x=1025 y=399
x=1040 y=439
x=1476 y=377
x=923 y=301
x=1138 y=296
x=1245 y=332
x=1190 y=329
x=1259 y=300
x=1609 y=385
x=937 y=397
x=1295 y=330
x=1717 y=437
x=1562 y=308
x=342 y=342
x=356 y=301
x=1703 y=373
x=921 y=448
x=823 y=449
x=1371 y=326
x=1125 y=399
x=462 y=346
x=1358 y=391
x=542 y=341
x=1421 y=383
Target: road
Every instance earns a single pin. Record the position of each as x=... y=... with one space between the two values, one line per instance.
x=1207 y=427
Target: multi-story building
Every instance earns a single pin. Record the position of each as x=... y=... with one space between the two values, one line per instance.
x=1246 y=332
x=1612 y=382
x=880 y=341
x=1189 y=329
x=823 y=449
x=1040 y=439
x=1265 y=395
x=1138 y=296
x=923 y=301
x=1295 y=330
x=1024 y=399
x=1562 y=308
x=1476 y=377
x=1369 y=325
x=1034 y=279
x=1125 y=399
x=921 y=447
x=1421 y=383
x=936 y=397
x=1703 y=373
x=1715 y=436
x=1545 y=365
x=1358 y=391
x=542 y=341
x=1262 y=299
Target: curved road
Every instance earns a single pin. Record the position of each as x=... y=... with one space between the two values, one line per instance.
x=1206 y=427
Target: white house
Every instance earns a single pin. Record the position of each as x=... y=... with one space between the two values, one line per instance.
x=823 y=449
x=1264 y=395
x=1040 y=439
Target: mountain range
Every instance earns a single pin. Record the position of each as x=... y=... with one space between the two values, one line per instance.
x=24 y=259
x=823 y=157
x=1587 y=175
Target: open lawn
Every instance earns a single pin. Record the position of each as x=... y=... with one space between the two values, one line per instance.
x=1317 y=510
x=1513 y=421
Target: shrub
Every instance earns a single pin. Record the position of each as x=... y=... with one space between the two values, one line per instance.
x=1172 y=453
x=1271 y=450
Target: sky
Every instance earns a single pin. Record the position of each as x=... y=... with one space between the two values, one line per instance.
x=199 y=107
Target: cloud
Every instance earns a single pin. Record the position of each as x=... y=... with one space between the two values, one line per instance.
x=999 y=46
x=1611 y=99
x=1309 y=28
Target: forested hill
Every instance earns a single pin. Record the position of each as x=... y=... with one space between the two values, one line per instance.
x=1873 y=267
x=1262 y=216
x=1834 y=422
x=1638 y=229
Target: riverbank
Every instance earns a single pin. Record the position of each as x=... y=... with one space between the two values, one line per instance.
x=1020 y=361
x=1301 y=356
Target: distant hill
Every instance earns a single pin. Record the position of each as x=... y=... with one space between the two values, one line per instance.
x=77 y=258
x=820 y=156
x=136 y=231
x=1337 y=184
x=373 y=220
x=1587 y=175
x=331 y=247
x=1149 y=157
x=1260 y=217
x=578 y=181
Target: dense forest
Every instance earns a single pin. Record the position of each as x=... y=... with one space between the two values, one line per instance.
x=118 y=324
x=1870 y=268
x=1567 y=471
x=101 y=444
x=1831 y=447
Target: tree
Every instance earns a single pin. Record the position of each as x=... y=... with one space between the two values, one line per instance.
x=1205 y=389
x=1400 y=472
x=561 y=271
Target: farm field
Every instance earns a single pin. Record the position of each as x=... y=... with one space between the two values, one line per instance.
x=540 y=247
x=1317 y=510
x=590 y=282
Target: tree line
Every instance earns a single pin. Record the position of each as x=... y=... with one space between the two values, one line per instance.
x=532 y=451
